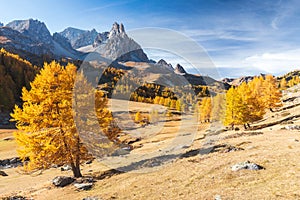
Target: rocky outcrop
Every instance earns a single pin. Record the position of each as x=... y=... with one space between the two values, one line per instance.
x=246 y=165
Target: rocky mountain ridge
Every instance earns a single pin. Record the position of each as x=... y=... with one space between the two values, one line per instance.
x=32 y=41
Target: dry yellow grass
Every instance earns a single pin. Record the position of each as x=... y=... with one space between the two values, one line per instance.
x=7 y=148
x=195 y=177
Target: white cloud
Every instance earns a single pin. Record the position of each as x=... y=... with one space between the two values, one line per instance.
x=276 y=62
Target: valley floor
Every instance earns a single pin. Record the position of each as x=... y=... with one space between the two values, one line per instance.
x=200 y=171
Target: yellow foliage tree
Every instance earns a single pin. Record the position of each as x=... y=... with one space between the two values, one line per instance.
x=138 y=117
x=283 y=84
x=47 y=134
x=235 y=108
x=271 y=93
x=218 y=107
x=205 y=109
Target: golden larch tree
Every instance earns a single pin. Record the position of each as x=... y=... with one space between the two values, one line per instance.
x=271 y=93
x=47 y=134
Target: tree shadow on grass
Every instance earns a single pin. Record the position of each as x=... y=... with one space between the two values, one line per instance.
x=158 y=161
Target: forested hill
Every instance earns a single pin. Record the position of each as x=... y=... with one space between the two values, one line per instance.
x=15 y=73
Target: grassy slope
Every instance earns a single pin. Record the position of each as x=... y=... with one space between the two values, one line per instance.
x=197 y=177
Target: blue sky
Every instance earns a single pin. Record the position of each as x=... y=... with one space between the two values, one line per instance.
x=252 y=36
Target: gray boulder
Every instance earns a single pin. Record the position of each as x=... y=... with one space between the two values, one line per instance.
x=90 y=198
x=246 y=165
x=65 y=168
x=62 y=181
x=292 y=127
x=83 y=186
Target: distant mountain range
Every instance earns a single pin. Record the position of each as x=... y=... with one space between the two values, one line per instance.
x=32 y=41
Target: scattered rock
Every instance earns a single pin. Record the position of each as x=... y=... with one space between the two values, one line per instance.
x=11 y=162
x=89 y=162
x=287 y=122
x=83 y=186
x=14 y=198
x=2 y=173
x=8 y=138
x=90 y=198
x=296 y=140
x=14 y=160
x=232 y=149
x=4 y=162
x=84 y=180
x=218 y=197
x=241 y=134
x=120 y=152
x=292 y=127
x=246 y=165
x=65 y=168
x=62 y=181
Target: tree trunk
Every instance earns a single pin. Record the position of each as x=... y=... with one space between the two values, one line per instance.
x=248 y=125
x=76 y=170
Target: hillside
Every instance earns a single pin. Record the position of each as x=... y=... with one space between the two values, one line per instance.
x=199 y=171
x=15 y=73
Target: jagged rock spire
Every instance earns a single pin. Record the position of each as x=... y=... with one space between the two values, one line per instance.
x=116 y=30
x=179 y=69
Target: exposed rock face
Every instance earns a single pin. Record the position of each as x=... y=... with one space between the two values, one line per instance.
x=34 y=29
x=19 y=43
x=79 y=38
x=165 y=64
x=72 y=34
x=1 y=24
x=179 y=69
x=63 y=42
x=100 y=39
x=120 y=47
x=32 y=40
x=85 y=39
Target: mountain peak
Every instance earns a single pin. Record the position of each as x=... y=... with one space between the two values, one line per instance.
x=165 y=64
x=1 y=24
x=32 y=28
x=117 y=29
x=179 y=69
